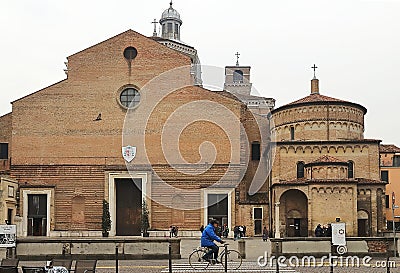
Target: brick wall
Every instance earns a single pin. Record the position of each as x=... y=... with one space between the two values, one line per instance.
x=311 y=122
x=364 y=155
x=58 y=142
x=5 y=137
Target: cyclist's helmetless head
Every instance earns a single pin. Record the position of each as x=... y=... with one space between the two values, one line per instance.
x=215 y=223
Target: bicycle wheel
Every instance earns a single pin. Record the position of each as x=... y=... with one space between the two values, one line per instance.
x=234 y=259
x=196 y=260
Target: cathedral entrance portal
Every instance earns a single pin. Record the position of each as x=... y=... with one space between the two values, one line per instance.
x=218 y=208
x=37 y=214
x=294 y=211
x=128 y=206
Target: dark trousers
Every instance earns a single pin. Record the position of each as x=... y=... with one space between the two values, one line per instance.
x=213 y=249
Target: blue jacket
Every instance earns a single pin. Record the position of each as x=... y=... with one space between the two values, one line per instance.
x=208 y=237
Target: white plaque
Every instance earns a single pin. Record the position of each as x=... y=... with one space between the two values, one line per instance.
x=339 y=234
x=8 y=235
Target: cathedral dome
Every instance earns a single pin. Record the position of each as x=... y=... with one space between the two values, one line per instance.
x=319 y=118
x=170 y=13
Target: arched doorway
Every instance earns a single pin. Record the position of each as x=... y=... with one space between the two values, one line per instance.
x=294 y=211
x=363 y=223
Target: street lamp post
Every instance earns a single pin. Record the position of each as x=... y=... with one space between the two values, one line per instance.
x=394 y=225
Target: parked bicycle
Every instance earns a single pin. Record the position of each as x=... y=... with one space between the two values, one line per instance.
x=233 y=258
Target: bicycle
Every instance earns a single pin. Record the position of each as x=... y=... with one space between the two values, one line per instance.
x=196 y=261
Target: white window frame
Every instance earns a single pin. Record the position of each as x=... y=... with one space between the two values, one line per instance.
x=25 y=209
x=229 y=192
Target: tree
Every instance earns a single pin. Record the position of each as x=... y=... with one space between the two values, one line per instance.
x=145 y=219
x=106 y=219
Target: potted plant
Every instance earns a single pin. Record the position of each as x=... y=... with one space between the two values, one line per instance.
x=106 y=220
x=145 y=219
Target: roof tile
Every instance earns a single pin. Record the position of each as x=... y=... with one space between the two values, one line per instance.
x=390 y=148
x=315 y=98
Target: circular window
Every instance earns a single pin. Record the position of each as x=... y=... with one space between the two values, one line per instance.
x=129 y=98
x=130 y=53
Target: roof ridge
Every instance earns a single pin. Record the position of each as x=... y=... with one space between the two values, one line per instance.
x=314 y=98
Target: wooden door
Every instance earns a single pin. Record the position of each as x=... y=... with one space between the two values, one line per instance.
x=290 y=229
x=304 y=227
x=128 y=207
x=362 y=228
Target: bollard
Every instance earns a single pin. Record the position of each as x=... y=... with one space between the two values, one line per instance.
x=170 y=258
x=116 y=259
x=226 y=258
x=242 y=248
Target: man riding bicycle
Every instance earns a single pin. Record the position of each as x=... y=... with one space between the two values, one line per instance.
x=207 y=240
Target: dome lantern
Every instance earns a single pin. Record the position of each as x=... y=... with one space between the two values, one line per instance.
x=171 y=23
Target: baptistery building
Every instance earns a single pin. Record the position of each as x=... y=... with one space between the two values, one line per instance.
x=324 y=170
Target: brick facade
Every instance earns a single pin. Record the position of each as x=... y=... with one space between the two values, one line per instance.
x=340 y=177
x=190 y=141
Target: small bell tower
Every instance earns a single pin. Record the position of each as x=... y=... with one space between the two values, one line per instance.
x=237 y=78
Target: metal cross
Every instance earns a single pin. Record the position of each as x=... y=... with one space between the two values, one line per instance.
x=314 y=67
x=237 y=58
x=155 y=27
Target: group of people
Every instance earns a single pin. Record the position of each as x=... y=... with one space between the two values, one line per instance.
x=173 y=231
x=323 y=231
x=239 y=232
x=220 y=231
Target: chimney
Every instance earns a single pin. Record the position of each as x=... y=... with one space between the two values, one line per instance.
x=314 y=86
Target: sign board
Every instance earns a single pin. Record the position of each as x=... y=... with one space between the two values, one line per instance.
x=339 y=234
x=8 y=235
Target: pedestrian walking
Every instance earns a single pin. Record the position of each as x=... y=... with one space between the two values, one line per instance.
x=265 y=234
x=235 y=233
x=241 y=233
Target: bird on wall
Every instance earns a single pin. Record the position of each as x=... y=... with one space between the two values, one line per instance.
x=98 y=118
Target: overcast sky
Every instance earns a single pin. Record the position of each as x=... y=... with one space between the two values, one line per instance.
x=355 y=44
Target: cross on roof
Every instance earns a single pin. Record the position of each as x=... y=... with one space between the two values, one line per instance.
x=155 y=27
x=237 y=58
x=315 y=68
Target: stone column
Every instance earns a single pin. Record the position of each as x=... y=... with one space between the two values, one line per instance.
x=277 y=221
x=374 y=212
